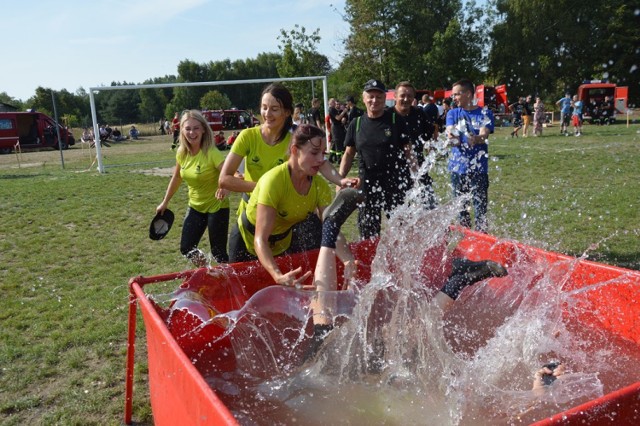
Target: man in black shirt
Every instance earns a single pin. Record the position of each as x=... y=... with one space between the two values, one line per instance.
x=353 y=111
x=338 y=117
x=431 y=113
x=316 y=117
x=420 y=131
x=384 y=150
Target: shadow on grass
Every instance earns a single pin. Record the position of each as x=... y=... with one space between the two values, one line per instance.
x=20 y=176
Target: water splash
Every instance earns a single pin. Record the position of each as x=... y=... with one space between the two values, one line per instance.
x=394 y=357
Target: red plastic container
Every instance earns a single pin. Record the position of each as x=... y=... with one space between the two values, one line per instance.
x=180 y=394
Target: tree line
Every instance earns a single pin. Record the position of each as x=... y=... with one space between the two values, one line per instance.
x=534 y=46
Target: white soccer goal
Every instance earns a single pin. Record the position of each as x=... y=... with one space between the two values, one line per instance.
x=93 y=90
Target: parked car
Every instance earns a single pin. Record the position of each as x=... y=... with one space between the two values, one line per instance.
x=31 y=130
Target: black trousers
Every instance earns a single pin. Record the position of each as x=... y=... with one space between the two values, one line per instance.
x=195 y=223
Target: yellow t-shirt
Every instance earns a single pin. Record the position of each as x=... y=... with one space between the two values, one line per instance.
x=259 y=157
x=276 y=190
x=201 y=174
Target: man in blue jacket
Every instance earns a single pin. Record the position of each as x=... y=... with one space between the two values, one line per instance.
x=468 y=128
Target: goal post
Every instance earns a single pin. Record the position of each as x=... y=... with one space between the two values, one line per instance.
x=93 y=90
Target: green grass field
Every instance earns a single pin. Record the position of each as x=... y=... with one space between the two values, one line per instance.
x=72 y=238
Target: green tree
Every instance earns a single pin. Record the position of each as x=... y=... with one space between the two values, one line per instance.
x=120 y=106
x=549 y=47
x=154 y=101
x=215 y=100
x=9 y=100
x=300 y=58
x=430 y=43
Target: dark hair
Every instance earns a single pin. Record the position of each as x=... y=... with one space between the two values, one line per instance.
x=406 y=84
x=466 y=85
x=284 y=98
x=303 y=135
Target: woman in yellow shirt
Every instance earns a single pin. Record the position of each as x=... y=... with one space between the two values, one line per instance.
x=198 y=162
x=263 y=148
x=284 y=197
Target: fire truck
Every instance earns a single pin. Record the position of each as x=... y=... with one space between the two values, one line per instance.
x=593 y=93
x=30 y=130
x=229 y=119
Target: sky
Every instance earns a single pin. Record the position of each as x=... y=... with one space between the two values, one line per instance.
x=88 y=43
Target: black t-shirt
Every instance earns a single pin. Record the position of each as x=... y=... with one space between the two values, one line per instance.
x=379 y=143
x=353 y=113
x=337 y=128
x=431 y=113
x=420 y=130
x=315 y=116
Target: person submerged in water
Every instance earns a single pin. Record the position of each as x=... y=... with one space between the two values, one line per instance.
x=464 y=273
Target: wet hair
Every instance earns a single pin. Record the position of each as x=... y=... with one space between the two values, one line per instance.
x=207 y=134
x=466 y=85
x=284 y=98
x=303 y=135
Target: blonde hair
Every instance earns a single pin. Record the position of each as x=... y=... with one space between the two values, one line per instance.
x=207 y=135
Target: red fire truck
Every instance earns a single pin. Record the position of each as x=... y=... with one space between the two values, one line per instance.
x=229 y=119
x=593 y=93
x=494 y=98
x=30 y=130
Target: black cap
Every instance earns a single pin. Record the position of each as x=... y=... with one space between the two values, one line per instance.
x=374 y=85
x=160 y=225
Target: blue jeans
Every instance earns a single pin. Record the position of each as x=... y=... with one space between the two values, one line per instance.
x=476 y=184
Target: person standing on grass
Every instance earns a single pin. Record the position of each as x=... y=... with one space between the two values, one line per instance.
x=338 y=117
x=576 y=115
x=517 y=111
x=175 y=126
x=420 y=130
x=468 y=129
x=199 y=163
x=538 y=117
x=263 y=148
x=316 y=116
x=565 y=113
x=527 y=115
x=381 y=140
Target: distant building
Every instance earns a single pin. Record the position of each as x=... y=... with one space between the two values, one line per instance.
x=7 y=108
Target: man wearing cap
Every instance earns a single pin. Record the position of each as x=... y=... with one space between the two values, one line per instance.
x=420 y=131
x=384 y=151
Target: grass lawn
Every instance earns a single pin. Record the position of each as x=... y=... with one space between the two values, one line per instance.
x=72 y=238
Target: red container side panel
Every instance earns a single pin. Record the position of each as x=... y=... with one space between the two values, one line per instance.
x=607 y=299
x=179 y=394
x=620 y=408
